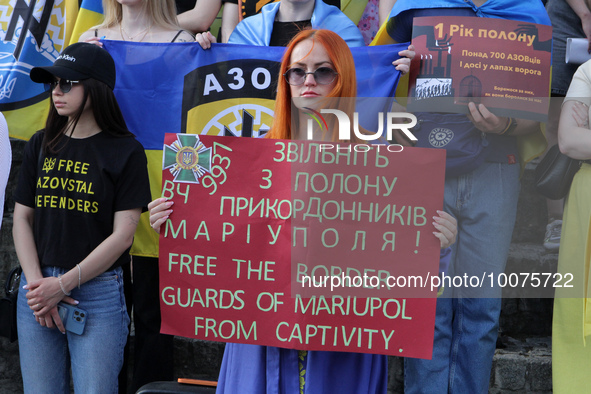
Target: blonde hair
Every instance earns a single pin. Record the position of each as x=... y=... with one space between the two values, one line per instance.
x=161 y=12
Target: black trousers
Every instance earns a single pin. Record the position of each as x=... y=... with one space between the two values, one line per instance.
x=153 y=358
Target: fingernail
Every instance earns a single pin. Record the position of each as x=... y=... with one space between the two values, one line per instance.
x=76 y=302
x=169 y=203
x=436 y=224
x=26 y=287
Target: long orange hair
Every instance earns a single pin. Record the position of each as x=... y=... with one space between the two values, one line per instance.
x=346 y=84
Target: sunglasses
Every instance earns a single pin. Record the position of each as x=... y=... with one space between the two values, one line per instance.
x=322 y=76
x=65 y=85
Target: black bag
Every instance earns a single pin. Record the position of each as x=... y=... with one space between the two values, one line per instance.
x=8 y=305
x=555 y=173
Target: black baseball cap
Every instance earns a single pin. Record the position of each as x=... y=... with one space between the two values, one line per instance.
x=77 y=62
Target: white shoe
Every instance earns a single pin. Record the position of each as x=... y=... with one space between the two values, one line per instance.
x=552 y=238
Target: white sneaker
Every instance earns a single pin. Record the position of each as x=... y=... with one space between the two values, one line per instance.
x=552 y=238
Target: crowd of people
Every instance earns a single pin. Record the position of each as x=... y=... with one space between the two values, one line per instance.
x=85 y=258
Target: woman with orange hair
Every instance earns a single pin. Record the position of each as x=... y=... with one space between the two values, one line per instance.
x=333 y=78
x=317 y=66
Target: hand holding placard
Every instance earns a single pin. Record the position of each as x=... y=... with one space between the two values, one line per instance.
x=250 y=227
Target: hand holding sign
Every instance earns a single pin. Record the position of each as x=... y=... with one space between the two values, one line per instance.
x=159 y=212
x=247 y=250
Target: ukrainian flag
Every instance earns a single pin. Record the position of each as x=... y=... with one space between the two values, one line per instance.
x=34 y=35
x=90 y=14
x=227 y=90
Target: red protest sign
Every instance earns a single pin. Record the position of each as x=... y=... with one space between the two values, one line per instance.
x=503 y=64
x=253 y=217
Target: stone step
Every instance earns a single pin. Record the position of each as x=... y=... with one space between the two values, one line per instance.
x=521 y=317
x=523 y=366
x=10 y=372
x=532 y=213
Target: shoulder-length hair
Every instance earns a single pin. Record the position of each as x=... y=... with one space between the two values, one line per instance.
x=346 y=83
x=161 y=13
x=105 y=109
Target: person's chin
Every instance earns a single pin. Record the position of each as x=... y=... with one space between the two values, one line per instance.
x=309 y=102
x=63 y=112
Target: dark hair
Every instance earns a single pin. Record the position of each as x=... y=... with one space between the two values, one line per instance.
x=105 y=109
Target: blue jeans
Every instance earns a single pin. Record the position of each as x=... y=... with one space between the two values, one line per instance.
x=484 y=202
x=95 y=357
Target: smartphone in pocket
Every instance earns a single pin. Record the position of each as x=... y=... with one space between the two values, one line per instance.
x=73 y=318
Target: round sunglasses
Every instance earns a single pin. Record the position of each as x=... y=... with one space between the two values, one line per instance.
x=65 y=85
x=322 y=75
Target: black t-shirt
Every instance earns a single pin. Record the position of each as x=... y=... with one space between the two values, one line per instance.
x=76 y=192
x=400 y=29
x=253 y=7
x=184 y=5
x=283 y=32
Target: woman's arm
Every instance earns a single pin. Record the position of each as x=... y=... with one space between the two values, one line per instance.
x=487 y=122
x=24 y=242
x=47 y=292
x=574 y=136
x=26 y=250
x=406 y=56
x=230 y=18
x=159 y=212
x=201 y=17
x=384 y=8
x=5 y=162
x=581 y=8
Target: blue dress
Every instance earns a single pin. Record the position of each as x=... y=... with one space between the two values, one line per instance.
x=251 y=369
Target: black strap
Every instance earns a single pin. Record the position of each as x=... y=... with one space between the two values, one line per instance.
x=177 y=35
x=12 y=281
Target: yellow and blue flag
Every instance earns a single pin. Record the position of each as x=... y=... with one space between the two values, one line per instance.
x=228 y=90
x=33 y=34
x=90 y=14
